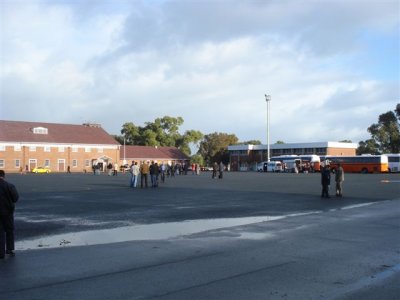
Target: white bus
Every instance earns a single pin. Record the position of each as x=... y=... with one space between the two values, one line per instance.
x=290 y=163
x=303 y=163
x=393 y=162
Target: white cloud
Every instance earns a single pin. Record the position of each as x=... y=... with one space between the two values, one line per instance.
x=209 y=62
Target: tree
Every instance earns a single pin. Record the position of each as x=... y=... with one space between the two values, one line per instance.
x=368 y=147
x=214 y=147
x=197 y=159
x=385 y=135
x=162 y=132
x=279 y=142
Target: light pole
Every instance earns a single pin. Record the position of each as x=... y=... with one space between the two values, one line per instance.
x=124 y=161
x=268 y=100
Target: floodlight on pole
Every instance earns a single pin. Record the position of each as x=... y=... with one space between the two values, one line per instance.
x=268 y=100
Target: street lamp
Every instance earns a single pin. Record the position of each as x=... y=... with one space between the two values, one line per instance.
x=268 y=100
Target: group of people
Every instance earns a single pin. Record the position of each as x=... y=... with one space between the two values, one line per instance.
x=218 y=168
x=146 y=169
x=326 y=180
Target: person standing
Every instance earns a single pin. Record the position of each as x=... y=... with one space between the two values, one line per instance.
x=221 y=170
x=144 y=172
x=156 y=173
x=339 y=178
x=135 y=173
x=8 y=197
x=325 y=181
x=162 y=172
x=214 y=170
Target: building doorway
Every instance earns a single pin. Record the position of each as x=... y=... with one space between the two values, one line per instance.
x=61 y=165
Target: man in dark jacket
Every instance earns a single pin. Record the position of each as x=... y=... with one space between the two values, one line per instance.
x=8 y=197
x=325 y=181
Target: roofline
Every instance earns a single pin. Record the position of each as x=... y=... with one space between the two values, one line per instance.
x=341 y=145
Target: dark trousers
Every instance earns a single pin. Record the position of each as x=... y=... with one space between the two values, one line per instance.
x=143 y=178
x=6 y=233
x=325 y=190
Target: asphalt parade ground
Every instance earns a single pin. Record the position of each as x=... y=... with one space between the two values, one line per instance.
x=246 y=236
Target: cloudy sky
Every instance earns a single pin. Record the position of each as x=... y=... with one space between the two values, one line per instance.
x=330 y=66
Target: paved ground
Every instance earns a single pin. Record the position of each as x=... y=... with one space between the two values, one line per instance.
x=310 y=248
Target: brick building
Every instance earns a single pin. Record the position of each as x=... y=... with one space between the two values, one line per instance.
x=59 y=147
x=246 y=157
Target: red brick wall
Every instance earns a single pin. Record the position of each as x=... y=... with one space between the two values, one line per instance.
x=9 y=157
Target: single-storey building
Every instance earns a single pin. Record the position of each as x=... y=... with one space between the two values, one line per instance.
x=57 y=147
x=167 y=155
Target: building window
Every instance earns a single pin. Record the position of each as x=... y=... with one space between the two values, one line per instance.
x=297 y=151
x=17 y=163
x=61 y=149
x=74 y=149
x=47 y=149
x=47 y=163
x=276 y=152
x=88 y=149
x=287 y=151
x=40 y=130
x=2 y=163
x=100 y=150
x=87 y=163
x=2 y=148
x=17 y=148
x=309 y=151
x=74 y=163
x=32 y=148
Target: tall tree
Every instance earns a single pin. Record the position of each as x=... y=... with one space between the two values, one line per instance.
x=368 y=147
x=161 y=132
x=385 y=135
x=214 y=147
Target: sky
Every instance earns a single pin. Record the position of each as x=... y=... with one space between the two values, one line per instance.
x=331 y=67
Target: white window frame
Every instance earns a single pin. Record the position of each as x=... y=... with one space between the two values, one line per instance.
x=88 y=149
x=87 y=163
x=32 y=148
x=47 y=149
x=75 y=149
x=2 y=163
x=74 y=163
x=47 y=163
x=40 y=130
x=100 y=150
x=2 y=147
x=17 y=163
x=61 y=149
x=17 y=148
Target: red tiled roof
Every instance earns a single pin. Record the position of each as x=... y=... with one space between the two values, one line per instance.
x=16 y=131
x=150 y=152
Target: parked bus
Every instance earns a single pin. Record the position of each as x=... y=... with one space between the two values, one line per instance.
x=394 y=162
x=290 y=163
x=304 y=163
x=359 y=164
x=312 y=162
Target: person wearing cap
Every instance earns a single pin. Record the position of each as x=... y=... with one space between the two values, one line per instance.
x=8 y=197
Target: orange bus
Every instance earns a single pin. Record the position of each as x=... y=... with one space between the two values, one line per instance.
x=359 y=164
